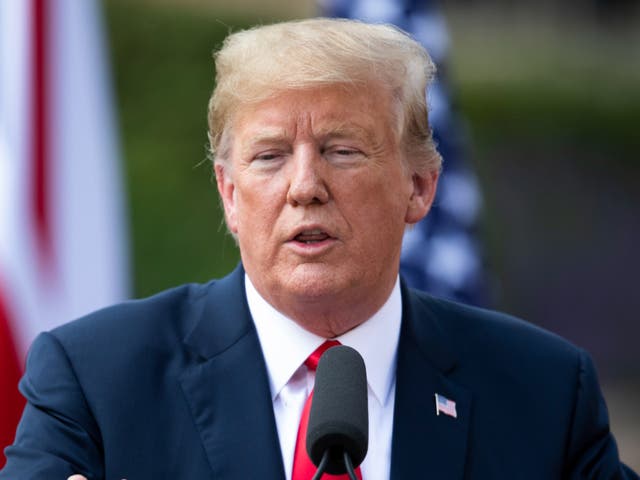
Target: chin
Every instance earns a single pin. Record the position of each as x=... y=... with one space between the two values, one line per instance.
x=315 y=282
x=313 y=290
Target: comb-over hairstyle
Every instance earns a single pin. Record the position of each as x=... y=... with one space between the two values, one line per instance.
x=255 y=64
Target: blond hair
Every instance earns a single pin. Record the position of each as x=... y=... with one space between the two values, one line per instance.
x=254 y=64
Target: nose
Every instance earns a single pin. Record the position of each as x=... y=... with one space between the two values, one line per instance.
x=307 y=185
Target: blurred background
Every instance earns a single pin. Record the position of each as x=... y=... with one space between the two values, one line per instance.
x=548 y=96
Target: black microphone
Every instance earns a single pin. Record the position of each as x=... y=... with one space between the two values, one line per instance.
x=338 y=428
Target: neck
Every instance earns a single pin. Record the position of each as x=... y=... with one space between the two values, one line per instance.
x=332 y=315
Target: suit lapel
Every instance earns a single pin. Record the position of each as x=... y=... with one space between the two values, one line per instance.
x=423 y=442
x=227 y=388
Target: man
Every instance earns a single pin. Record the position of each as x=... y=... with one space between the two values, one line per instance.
x=323 y=155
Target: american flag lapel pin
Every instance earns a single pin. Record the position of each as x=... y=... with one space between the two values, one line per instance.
x=445 y=406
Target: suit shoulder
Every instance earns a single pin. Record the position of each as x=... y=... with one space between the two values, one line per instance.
x=486 y=334
x=166 y=314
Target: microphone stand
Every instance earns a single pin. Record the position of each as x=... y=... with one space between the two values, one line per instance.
x=349 y=465
x=325 y=459
x=322 y=465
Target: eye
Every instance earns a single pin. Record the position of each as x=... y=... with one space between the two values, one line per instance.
x=268 y=161
x=343 y=155
x=268 y=156
x=346 y=151
x=341 y=150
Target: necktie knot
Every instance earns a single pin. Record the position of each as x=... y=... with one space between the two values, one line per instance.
x=312 y=361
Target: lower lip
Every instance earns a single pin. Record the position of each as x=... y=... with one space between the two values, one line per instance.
x=313 y=248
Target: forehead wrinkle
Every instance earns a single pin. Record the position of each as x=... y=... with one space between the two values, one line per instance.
x=269 y=134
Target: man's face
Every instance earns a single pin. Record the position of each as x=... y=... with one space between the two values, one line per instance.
x=318 y=194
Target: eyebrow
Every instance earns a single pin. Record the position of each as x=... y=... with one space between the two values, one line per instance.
x=268 y=135
x=346 y=131
x=278 y=135
x=264 y=136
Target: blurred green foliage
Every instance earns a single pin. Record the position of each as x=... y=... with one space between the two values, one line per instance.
x=164 y=75
x=575 y=84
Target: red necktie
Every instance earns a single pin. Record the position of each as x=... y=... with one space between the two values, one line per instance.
x=303 y=468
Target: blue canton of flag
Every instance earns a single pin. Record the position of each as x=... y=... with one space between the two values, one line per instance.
x=446 y=406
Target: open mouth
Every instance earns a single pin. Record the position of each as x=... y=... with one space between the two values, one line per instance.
x=311 y=236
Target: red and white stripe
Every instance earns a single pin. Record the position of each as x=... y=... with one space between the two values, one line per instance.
x=446 y=406
x=62 y=231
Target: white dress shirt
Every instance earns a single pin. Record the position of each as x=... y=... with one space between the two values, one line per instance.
x=286 y=345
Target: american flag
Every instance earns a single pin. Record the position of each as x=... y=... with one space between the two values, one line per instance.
x=446 y=406
x=63 y=249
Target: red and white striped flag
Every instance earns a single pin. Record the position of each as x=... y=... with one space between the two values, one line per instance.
x=446 y=406
x=62 y=232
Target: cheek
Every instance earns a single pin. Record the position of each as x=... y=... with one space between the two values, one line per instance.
x=257 y=205
x=382 y=215
x=380 y=195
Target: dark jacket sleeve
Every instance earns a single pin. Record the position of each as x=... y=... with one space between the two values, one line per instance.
x=592 y=451
x=57 y=435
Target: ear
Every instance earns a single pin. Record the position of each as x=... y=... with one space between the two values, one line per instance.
x=226 y=189
x=424 y=191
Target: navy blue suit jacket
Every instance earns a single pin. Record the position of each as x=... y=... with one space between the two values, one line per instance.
x=175 y=386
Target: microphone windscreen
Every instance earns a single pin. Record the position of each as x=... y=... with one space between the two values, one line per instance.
x=339 y=417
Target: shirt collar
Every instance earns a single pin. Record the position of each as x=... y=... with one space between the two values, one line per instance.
x=286 y=345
